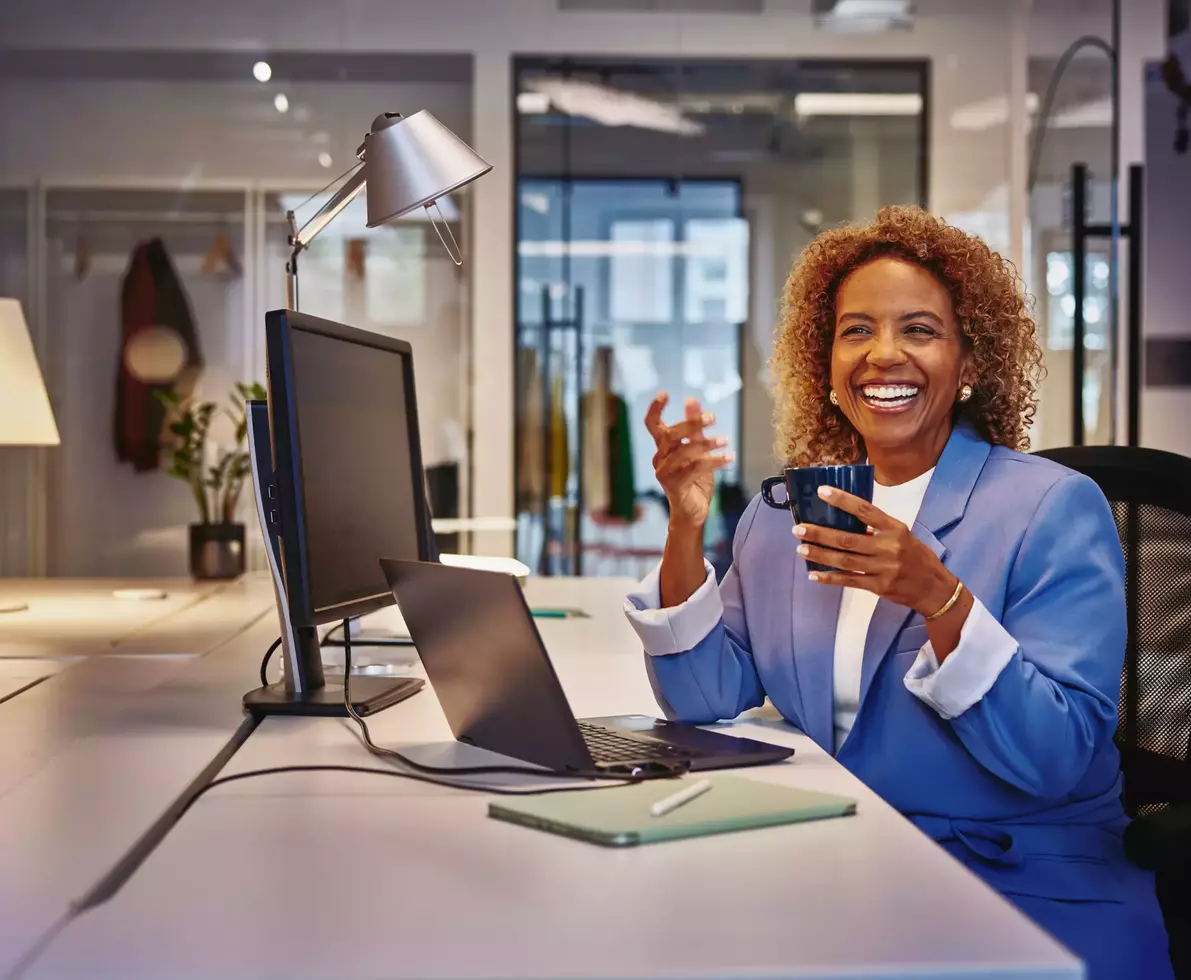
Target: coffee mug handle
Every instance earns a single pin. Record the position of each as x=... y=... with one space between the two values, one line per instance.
x=767 y=486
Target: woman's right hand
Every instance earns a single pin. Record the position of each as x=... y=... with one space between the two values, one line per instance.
x=685 y=461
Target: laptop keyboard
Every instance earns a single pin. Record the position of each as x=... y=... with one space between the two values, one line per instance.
x=607 y=745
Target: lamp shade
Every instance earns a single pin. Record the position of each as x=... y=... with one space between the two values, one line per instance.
x=411 y=160
x=26 y=418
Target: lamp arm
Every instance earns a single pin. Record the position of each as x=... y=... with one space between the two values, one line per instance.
x=300 y=238
x=329 y=211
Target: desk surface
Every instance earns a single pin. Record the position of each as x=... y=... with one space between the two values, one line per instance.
x=82 y=617
x=402 y=879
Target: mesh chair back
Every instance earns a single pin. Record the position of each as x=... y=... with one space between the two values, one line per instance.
x=1150 y=494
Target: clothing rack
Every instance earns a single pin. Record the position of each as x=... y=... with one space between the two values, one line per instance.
x=548 y=327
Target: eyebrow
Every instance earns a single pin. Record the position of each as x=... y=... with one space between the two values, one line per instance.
x=912 y=315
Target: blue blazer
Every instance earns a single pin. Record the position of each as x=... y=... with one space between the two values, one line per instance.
x=1023 y=787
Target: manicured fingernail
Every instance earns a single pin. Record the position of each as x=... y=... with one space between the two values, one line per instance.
x=826 y=492
x=813 y=576
x=722 y=441
x=729 y=456
x=800 y=530
x=803 y=550
x=708 y=418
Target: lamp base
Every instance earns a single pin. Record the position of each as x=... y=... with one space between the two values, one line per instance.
x=13 y=607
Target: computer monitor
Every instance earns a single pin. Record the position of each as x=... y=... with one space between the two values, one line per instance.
x=337 y=467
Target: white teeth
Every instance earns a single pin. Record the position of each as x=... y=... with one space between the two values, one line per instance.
x=902 y=393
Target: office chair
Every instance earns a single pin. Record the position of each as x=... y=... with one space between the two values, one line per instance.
x=1150 y=495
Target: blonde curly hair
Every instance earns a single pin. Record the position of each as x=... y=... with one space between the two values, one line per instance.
x=990 y=306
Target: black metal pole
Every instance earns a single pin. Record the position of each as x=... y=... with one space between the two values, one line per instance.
x=1079 y=233
x=1136 y=285
x=577 y=321
x=543 y=501
x=1114 y=185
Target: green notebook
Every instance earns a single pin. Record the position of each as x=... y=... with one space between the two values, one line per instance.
x=621 y=817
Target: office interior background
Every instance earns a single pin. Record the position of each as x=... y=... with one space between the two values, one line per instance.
x=658 y=164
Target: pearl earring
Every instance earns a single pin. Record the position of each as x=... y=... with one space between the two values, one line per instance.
x=965 y=393
x=833 y=398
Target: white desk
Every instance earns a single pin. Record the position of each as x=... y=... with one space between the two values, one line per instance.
x=81 y=617
x=93 y=756
x=18 y=676
x=401 y=879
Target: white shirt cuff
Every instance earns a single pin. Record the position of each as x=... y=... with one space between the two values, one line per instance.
x=969 y=672
x=677 y=628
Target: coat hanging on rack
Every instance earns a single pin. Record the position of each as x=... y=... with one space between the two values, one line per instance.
x=152 y=296
x=596 y=420
x=560 y=459
x=531 y=451
x=608 y=486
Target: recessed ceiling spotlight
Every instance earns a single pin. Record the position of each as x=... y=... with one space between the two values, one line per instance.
x=281 y=102
x=324 y=159
x=261 y=71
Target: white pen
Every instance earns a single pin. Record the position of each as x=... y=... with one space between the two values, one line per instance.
x=662 y=807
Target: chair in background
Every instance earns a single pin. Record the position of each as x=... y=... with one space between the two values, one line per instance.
x=1150 y=494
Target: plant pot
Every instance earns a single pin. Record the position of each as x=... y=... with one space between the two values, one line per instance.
x=216 y=551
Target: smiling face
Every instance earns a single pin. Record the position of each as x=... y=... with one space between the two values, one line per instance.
x=898 y=359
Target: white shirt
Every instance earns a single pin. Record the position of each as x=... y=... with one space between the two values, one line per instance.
x=856 y=607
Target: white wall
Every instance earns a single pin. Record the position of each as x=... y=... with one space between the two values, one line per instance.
x=967 y=42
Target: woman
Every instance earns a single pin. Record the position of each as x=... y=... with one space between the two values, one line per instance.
x=964 y=660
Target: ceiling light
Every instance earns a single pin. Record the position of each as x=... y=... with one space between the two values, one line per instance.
x=324 y=159
x=281 y=102
x=988 y=113
x=857 y=104
x=532 y=103
x=261 y=71
x=613 y=107
x=863 y=16
x=1084 y=115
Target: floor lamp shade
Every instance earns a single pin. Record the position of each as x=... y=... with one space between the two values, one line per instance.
x=412 y=160
x=26 y=418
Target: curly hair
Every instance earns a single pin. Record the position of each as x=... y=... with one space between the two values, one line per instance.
x=990 y=306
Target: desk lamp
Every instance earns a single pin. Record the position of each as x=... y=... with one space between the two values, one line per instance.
x=407 y=162
x=26 y=418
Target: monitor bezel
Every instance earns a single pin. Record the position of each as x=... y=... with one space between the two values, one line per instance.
x=286 y=439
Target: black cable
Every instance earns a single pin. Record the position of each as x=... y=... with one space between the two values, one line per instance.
x=423 y=773
x=476 y=770
x=1087 y=41
x=385 y=641
x=373 y=771
x=265 y=662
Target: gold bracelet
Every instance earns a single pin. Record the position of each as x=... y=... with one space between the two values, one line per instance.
x=959 y=587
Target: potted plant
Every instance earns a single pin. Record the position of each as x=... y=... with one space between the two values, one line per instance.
x=215 y=476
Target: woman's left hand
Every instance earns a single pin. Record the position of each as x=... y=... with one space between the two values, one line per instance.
x=888 y=560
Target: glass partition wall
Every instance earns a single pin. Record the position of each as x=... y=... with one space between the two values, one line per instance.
x=659 y=206
x=197 y=155
x=1069 y=103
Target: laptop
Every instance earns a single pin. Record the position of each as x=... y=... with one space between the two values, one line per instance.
x=497 y=687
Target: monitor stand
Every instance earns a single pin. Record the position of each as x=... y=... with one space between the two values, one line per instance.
x=304 y=690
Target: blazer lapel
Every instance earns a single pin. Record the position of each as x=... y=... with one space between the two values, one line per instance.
x=955 y=477
x=815 y=613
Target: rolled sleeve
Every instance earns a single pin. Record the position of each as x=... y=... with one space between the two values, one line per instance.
x=678 y=628
x=985 y=648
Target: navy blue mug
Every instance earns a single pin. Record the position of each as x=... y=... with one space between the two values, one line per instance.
x=803 y=501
